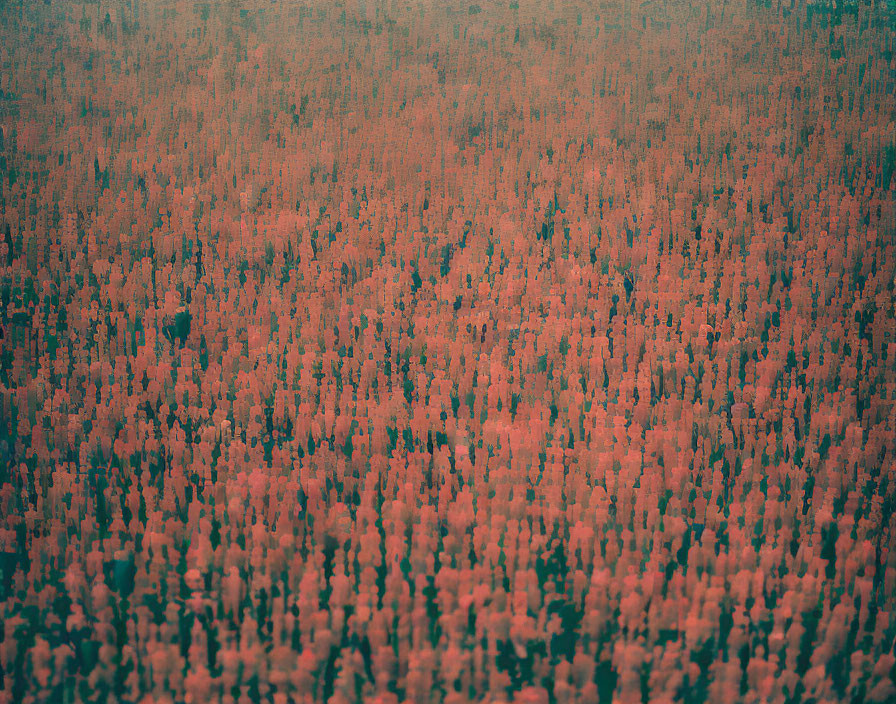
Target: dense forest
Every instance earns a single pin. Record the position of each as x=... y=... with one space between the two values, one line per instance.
x=532 y=352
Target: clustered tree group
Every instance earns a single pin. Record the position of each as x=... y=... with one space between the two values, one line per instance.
x=528 y=352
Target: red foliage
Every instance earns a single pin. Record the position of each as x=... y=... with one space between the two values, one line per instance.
x=357 y=352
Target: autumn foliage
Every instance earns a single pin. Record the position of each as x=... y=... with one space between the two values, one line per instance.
x=532 y=352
